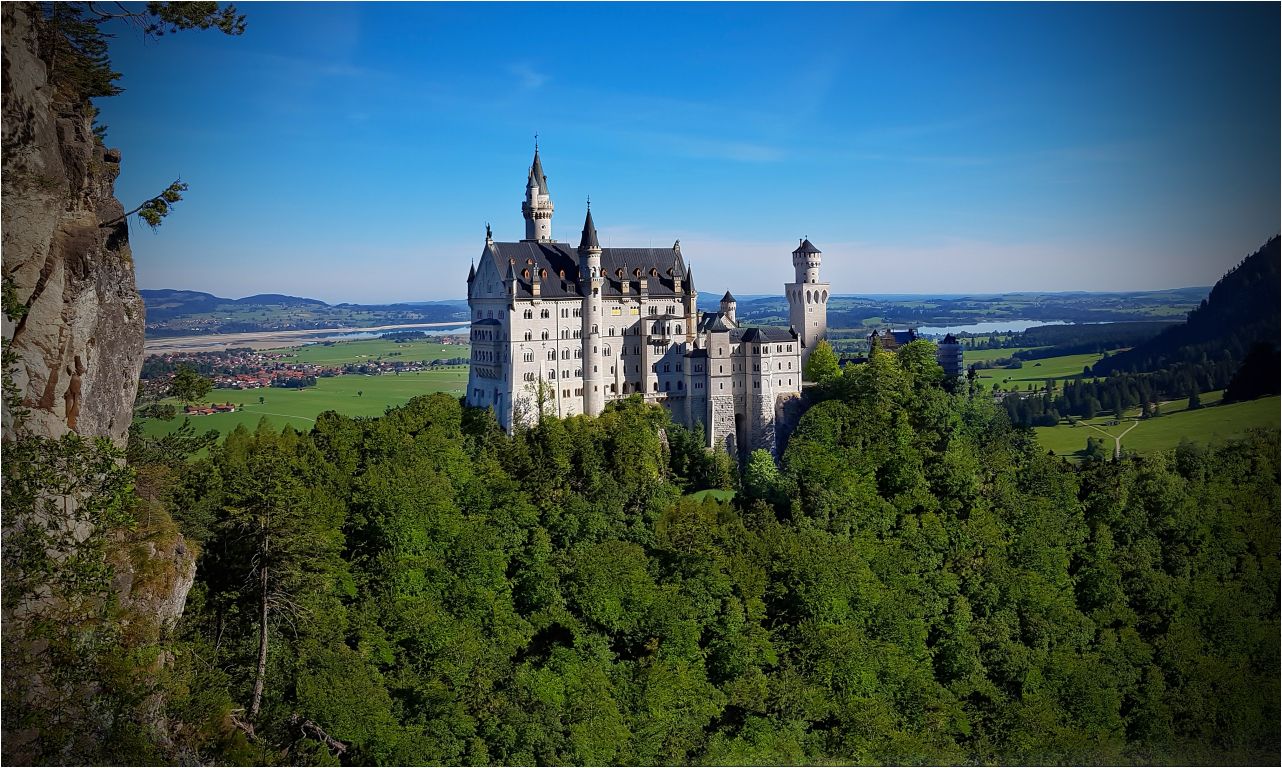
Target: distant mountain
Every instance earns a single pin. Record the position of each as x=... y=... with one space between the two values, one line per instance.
x=1241 y=312
x=280 y=300
x=180 y=313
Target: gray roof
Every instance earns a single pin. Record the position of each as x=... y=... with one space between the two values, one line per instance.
x=714 y=321
x=807 y=247
x=536 y=173
x=760 y=335
x=589 y=234
x=728 y=297
x=509 y=258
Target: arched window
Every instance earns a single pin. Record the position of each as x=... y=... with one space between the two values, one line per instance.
x=529 y=314
x=551 y=354
x=678 y=328
x=529 y=335
x=545 y=335
x=544 y=314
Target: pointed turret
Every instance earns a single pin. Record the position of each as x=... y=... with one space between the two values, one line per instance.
x=589 y=241
x=728 y=305
x=538 y=179
x=537 y=208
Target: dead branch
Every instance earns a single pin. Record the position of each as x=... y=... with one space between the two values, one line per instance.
x=310 y=728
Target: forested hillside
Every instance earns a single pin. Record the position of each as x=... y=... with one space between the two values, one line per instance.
x=1241 y=311
x=916 y=583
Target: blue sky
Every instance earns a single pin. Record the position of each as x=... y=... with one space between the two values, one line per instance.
x=354 y=152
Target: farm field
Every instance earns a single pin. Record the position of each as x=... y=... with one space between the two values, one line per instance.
x=350 y=395
x=1205 y=425
x=985 y=355
x=372 y=349
x=1036 y=372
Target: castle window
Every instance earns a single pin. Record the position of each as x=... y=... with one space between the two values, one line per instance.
x=578 y=353
x=545 y=335
x=565 y=374
x=525 y=273
x=654 y=386
x=721 y=369
x=565 y=333
x=551 y=354
x=722 y=385
x=578 y=371
x=578 y=334
x=616 y=311
x=565 y=393
x=681 y=385
x=578 y=391
x=678 y=328
x=543 y=314
x=529 y=356
x=654 y=310
x=529 y=314
x=529 y=376
x=667 y=368
x=667 y=386
x=678 y=367
x=594 y=328
x=478 y=314
x=529 y=335
x=552 y=373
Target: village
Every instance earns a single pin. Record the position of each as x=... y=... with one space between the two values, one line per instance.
x=244 y=368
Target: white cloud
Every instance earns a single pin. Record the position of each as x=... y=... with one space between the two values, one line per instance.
x=528 y=76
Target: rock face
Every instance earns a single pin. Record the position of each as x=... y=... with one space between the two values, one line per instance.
x=80 y=341
x=74 y=349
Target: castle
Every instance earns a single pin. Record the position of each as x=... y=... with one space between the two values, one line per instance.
x=559 y=330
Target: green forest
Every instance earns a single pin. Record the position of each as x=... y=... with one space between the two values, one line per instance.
x=914 y=582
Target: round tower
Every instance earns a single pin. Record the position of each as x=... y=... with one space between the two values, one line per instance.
x=728 y=305
x=537 y=208
x=807 y=298
x=590 y=282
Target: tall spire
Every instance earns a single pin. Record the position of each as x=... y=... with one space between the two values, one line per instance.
x=589 y=240
x=537 y=176
x=537 y=208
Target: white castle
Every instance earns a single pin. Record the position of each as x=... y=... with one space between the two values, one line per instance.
x=558 y=330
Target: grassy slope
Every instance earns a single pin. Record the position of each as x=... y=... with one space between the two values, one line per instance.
x=1036 y=371
x=1206 y=425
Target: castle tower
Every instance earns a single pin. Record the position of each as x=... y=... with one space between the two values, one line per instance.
x=537 y=208
x=728 y=305
x=590 y=285
x=807 y=298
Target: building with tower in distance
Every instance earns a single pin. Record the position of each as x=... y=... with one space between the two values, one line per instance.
x=560 y=330
x=949 y=356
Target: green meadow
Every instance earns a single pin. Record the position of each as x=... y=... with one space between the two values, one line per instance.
x=1035 y=372
x=351 y=395
x=369 y=350
x=1213 y=423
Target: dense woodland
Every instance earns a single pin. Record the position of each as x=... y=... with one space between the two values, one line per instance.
x=916 y=582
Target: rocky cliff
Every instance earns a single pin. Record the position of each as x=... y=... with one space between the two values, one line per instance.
x=67 y=263
x=73 y=333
